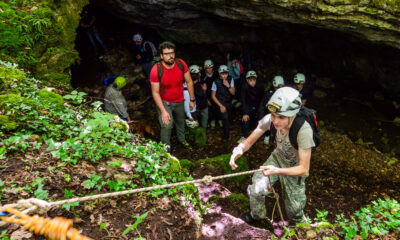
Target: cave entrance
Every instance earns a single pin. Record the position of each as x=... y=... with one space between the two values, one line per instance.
x=353 y=78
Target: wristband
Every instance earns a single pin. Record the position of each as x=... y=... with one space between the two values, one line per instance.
x=193 y=100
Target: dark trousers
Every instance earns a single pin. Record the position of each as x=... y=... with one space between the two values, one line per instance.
x=213 y=112
x=225 y=120
x=252 y=123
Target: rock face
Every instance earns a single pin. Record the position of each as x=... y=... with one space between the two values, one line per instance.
x=353 y=41
x=377 y=21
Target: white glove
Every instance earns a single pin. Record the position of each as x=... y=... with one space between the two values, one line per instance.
x=236 y=153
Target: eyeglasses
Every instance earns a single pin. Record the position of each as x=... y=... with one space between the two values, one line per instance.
x=272 y=107
x=169 y=53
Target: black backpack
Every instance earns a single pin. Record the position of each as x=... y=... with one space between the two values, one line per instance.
x=305 y=114
x=157 y=61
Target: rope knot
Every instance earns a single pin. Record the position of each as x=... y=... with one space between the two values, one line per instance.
x=33 y=204
x=207 y=179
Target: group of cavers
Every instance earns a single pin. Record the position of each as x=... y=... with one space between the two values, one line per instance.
x=205 y=95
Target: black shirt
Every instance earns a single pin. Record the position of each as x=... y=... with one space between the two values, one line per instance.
x=251 y=96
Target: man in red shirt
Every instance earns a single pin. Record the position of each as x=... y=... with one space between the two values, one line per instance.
x=166 y=79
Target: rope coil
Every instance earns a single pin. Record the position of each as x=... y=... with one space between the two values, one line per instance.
x=55 y=229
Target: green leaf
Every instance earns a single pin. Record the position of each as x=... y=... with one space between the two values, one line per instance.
x=138 y=221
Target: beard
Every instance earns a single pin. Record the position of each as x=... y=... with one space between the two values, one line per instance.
x=170 y=62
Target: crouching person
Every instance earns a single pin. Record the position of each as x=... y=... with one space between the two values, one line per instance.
x=286 y=164
x=114 y=101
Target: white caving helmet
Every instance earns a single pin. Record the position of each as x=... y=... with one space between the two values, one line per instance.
x=191 y=124
x=251 y=74
x=285 y=101
x=299 y=78
x=278 y=80
x=194 y=69
x=208 y=63
x=223 y=68
x=137 y=37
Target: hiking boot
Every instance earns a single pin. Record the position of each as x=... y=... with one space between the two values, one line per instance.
x=247 y=218
x=186 y=145
x=220 y=123
x=241 y=139
x=212 y=124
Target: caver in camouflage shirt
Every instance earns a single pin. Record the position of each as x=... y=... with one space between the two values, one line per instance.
x=284 y=156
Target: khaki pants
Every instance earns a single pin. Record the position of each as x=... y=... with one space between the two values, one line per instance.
x=177 y=114
x=293 y=191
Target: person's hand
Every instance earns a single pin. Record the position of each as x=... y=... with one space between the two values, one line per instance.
x=269 y=170
x=165 y=117
x=228 y=56
x=222 y=109
x=226 y=83
x=245 y=118
x=191 y=119
x=138 y=57
x=192 y=105
x=236 y=153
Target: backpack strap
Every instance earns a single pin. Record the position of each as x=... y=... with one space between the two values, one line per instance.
x=294 y=130
x=180 y=66
x=160 y=73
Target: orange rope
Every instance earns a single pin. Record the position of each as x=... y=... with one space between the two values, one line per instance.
x=55 y=229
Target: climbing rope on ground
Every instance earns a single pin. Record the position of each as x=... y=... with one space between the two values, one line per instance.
x=41 y=225
x=55 y=229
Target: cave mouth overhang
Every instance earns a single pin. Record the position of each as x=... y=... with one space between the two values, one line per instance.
x=342 y=55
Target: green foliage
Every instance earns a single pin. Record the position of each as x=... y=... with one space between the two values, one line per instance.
x=379 y=219
x=76 y=97
x=134 y=226
x=223 y=162
x=39 y=35
x=197 y=135
x=21 y=27
x=50 y=98
x=93 y=182
x=321 y=216
x=7 y=124
x=39 y=192
x=12 y=80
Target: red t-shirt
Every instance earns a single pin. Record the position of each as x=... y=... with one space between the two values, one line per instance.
x=172 y=80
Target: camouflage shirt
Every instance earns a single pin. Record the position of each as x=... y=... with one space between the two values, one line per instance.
x=288 y=155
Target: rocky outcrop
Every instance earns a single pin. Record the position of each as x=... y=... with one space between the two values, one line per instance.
x=377 y=21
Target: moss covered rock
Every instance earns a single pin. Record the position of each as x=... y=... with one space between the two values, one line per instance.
x=174 y=165
x=12 y=80
x=186 y=165
x=239 y=200
x=11 y=102
x=7 y=124
x=222 y=161
x=51 y=98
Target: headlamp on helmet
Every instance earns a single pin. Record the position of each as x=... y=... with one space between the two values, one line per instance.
x=251 y=74
x=194 y=69
x=285 y=101
x=278 y=82
x=208 y=63
x=299 y=78
x=222 y=69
